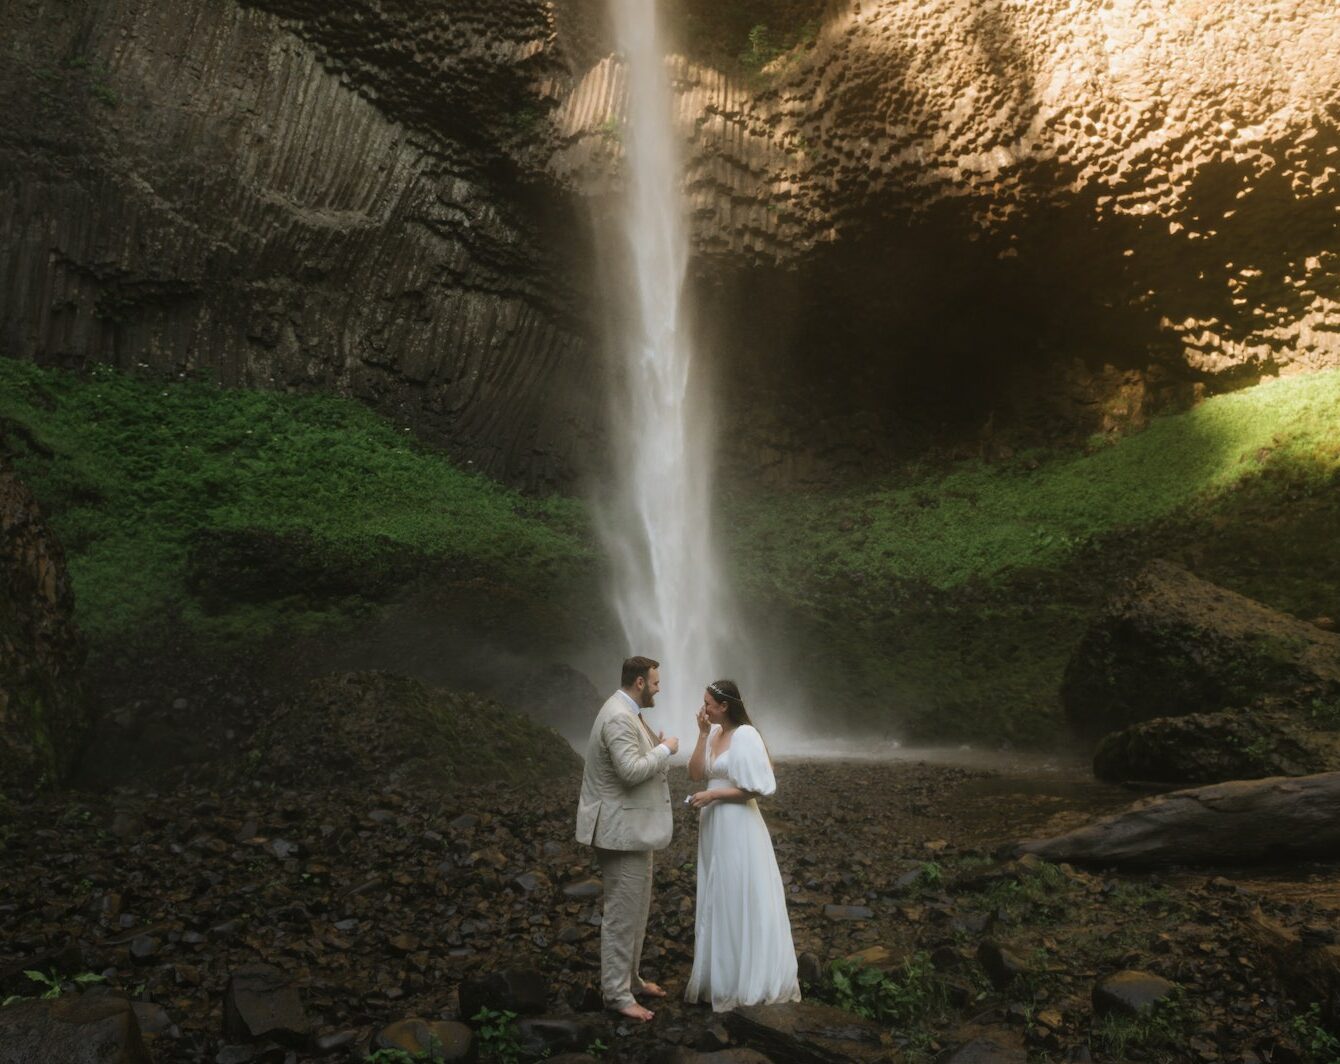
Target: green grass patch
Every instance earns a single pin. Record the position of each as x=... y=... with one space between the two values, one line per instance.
x=133 y=473
x=980 y=522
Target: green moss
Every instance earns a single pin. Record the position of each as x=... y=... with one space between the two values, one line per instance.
x=982 y=522
x=132 y=472
x=947 y=601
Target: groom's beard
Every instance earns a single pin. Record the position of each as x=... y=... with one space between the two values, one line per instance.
x=646 y=699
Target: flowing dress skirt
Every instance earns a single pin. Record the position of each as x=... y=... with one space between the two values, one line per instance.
x=743 y=953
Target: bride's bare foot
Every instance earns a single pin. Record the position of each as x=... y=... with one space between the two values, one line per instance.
x=650 y=990
x=636 y=1012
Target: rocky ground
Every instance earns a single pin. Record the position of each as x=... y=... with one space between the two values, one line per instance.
x=386 y=902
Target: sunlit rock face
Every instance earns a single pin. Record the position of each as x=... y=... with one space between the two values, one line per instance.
x=1029 y=217
x=292 y=194
x=42 y=708
x=936 y=222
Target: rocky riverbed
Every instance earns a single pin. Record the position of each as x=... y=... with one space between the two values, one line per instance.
x=384 y=903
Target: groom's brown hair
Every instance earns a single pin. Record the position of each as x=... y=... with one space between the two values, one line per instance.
x=635 y=667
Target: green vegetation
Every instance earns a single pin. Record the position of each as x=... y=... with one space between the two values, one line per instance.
x=956 y=594
x=1317 y=1043
x=747 y=35
x=981 y=522
x=496 y=1031
x=149 y=485
x=1159 y=1034
x=54 y=985
x=908 y=1000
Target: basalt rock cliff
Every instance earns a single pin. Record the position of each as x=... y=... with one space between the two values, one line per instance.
x=43 y=712
x=960 y=221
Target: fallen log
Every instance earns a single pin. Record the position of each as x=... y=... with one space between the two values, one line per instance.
x=1240 y=822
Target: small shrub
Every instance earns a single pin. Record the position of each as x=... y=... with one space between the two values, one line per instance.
x=1159 y=1034
x=906 y=1000
x=1317 y=1043
x=497 y=1036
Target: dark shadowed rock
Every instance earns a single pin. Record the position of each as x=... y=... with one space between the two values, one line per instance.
x=986 y=1047
x=261 y=1003
x=737 y=1055
x=1214 y=747
x=1002 y=966
x=76 y=1029
x=1172 y=644
x=520 y=990
x=1229 y=823
x=442 y=1040
x=44 y=714
x=803 y=1032
x=1130 y=993
x=543 y=1036
x=809 y=969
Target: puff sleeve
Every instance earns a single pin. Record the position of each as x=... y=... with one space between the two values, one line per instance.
x=750 y=768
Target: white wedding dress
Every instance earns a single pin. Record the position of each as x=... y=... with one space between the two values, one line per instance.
x=743 y=954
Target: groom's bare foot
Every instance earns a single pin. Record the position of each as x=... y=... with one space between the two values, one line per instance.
x=636 y=1012
x=650 y=990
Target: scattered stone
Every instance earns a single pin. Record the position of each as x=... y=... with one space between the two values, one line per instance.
x=543 y=1036
x=809 y=969
x=989 y=1047
x=712 y=1038
x=261 y=1003
x=848 y=912
x=520 y=990
x=1130 y=993
x=1001 y=965
x=583 y=888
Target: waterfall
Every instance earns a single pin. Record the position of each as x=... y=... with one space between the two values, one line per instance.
x=657 y=523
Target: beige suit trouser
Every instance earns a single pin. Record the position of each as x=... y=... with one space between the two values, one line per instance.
x=626 y=878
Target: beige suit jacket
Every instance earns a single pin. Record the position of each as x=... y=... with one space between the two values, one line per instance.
x=625 y=799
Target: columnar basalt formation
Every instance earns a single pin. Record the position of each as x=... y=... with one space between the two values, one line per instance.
x=43 y=712
x=941 y=220
x=282 y=195
x=1122 y=205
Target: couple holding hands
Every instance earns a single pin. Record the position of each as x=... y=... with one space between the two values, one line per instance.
x=743 y=953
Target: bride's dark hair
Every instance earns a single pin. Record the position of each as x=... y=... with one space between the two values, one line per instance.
x=727 y=692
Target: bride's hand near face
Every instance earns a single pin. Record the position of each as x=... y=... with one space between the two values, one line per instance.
x=704 y=725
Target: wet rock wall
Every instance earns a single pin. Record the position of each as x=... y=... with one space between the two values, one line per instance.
x=282 y=195
x=974 y=218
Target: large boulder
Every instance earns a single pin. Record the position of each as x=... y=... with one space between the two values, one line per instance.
x=43 y=711
x=76 y=1029
x=1214 y=747
x=1241 y=822
x=1170 y=644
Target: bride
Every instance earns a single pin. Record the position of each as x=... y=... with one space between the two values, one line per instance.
x=743 y=954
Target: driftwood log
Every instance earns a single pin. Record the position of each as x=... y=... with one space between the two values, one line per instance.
x=1241 y=822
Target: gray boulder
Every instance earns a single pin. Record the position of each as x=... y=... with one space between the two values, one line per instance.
x=1214 y=747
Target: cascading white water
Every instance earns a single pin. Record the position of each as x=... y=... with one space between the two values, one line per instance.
x=658 y=524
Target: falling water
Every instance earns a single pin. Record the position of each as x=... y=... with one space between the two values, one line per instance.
x=667 y=579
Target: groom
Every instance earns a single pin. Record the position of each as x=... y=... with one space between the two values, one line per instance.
x=624 y=812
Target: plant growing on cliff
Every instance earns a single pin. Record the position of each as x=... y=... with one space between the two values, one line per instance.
x=133 y=472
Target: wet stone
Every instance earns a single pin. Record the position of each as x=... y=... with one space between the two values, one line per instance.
x=1001 y=965
x=1130 y=993
x=848 y=912
x=442 y=1040
x=261 y=1003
